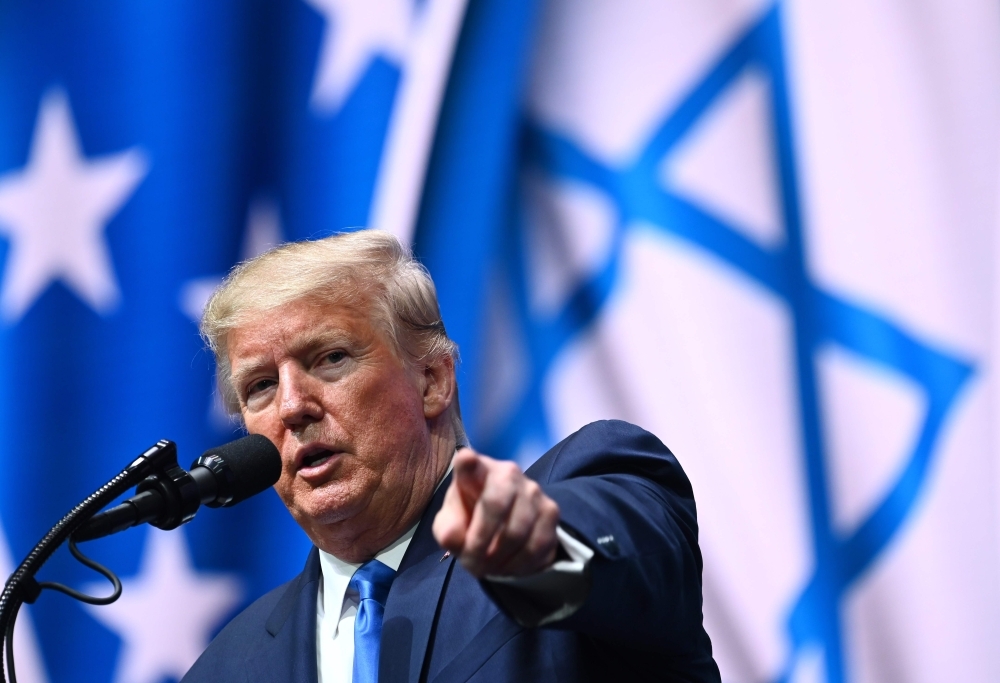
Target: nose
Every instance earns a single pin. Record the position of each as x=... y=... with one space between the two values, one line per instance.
x=298 y=400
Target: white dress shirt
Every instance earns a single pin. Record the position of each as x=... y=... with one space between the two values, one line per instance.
x=337 y=605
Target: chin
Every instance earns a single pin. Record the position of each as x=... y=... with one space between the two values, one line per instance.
x=325 y=507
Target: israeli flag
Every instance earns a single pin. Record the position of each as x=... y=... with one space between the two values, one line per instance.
x=144 y=149
x=764 y=231
x=767 y=232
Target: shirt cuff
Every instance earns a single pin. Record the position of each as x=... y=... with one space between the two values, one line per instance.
x=550 y=595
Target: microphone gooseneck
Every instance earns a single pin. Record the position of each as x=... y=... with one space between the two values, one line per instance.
x=21 y=586
x=221 y=477
x=166 y=497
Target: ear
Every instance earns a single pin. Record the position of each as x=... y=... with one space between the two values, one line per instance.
x=439 y=386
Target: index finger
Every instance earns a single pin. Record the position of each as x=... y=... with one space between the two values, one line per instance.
x=469 y=477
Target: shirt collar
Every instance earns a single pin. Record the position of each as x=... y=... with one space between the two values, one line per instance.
x=337 y=573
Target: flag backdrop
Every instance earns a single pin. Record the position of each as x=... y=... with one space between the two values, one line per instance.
x=766 y=232
x=144 y=149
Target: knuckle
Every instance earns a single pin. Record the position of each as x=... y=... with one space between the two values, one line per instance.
x=539 y=545
x=508 y=471
x=475 y=545
x=517 y=534
x=493 y=505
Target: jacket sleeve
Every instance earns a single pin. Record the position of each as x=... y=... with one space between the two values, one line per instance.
x=623 y=493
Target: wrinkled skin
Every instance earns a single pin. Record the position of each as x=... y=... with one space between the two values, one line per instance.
x=365 y=437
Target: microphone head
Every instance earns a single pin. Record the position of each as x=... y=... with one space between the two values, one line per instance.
x=242 y=468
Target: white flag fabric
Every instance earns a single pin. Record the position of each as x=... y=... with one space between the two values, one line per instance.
x=768 y=234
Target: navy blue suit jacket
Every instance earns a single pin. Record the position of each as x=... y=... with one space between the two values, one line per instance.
x=619 y=490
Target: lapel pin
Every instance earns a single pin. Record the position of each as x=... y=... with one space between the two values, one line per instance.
x=447 y=554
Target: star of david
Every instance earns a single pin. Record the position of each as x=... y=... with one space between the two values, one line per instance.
x=819 y=318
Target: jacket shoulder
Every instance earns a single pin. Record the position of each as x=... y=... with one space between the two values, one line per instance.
x=611 y=446
x=237 y=641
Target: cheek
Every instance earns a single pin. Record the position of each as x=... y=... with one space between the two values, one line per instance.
x=398 y=411
x=405 y=441
x=385 y=421
x=386 y=402
x=273 y=430
x=285 y=491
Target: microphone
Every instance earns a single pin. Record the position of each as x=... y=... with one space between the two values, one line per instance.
x=221 y=477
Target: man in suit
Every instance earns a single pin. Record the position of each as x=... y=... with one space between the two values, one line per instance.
x=434 y=562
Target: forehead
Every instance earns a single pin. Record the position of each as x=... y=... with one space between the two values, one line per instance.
x=296 y=327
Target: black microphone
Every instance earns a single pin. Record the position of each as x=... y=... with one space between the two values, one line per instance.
x=221 y=477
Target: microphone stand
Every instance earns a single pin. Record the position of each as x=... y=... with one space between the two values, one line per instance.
x=22 y=587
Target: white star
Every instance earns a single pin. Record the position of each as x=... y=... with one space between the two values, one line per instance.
x=356 y=31
x=54 y=211
x=166 y=614
x=263 y=232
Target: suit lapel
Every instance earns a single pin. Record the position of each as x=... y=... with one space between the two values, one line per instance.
x=410 y=612
x=413 y=602
x=290 y=653
x=490 y=638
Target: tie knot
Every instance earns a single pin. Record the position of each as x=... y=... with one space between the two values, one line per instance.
x=372 y=581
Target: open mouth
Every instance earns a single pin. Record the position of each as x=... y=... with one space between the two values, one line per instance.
x=316 y=459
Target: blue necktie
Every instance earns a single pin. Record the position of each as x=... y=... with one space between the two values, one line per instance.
x=372 y=581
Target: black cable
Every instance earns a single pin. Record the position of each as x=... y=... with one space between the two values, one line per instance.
x=83 y=597
x=9 y=637
x=75 y=594
x=12 y=596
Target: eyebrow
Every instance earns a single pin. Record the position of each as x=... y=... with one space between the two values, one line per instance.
x=237 y=378
x=255 y=363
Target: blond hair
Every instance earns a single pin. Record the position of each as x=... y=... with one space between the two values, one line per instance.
x=362 y=268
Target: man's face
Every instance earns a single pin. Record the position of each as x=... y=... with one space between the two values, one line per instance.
x=349 y=418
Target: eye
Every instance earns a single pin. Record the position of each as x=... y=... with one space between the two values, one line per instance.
x=258 y=386
x=334 y=357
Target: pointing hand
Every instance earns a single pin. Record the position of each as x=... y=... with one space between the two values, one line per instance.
x=495 y=519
